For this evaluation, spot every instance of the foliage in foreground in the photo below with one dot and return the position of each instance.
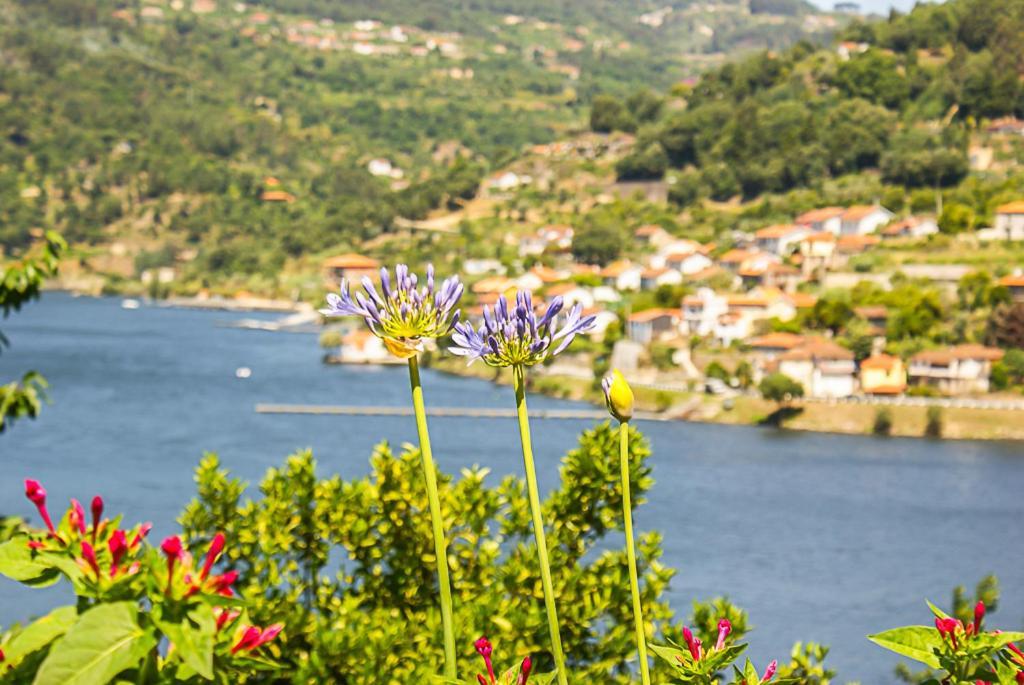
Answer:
(142, 615)
(347, 566)
(20, 283)
(959, 652)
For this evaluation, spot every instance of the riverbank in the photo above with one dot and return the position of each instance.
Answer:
(958, 423)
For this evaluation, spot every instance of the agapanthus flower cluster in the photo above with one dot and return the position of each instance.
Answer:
(514, 335)
(511, 677)
(403, 313)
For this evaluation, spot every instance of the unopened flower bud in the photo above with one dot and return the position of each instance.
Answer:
(36, 494)
(769, 672)
(979, 614)
(216, 547)
(524, 671)
(89, 554)
(618, 396)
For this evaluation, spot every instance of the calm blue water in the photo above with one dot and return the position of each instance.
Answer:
(819, 537)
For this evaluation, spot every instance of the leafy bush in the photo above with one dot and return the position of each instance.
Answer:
(933, 422)
(778, 387)
(142, 614)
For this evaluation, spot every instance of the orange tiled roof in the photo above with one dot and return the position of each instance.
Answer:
(820, 237)
(817, 349)
(781, 340)
(1012, 281)
(802, 300)
(560, 289)
(652, 314)
(648, 230)
(821, 214)
(351, 260)
(277, 196)
(545, 274)
(853, 243)
(872, 312)
(616, 269)
(885, 362)
(1011, 208)
(736, 255)
(776, 231)
(858, 212)
(968, 351)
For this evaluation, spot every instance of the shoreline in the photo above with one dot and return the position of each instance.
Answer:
(959, 424)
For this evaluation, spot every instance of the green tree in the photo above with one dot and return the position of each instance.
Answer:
(933, 422)
(609, 114)
(780, 388)
(956, 218)
(20, 282)
(883, 421)
(598, 242)
(649, 163)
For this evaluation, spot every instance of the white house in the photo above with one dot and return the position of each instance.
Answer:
(782, 239)
(504, 182)
(824, 368)
(384, 167)
(1009, 222)
(362, 347)
(701, 311)
(817, 250)
(653, 235)
(911, 227)
(651, 279)
(730, 327)
(864, 219)
(545, 239)
(481, 267)
(622, 275)
(958, 370)
(652, 324)
(823, 219)
(602, 320)
(538, 277)
(571, 294)
(688, 263)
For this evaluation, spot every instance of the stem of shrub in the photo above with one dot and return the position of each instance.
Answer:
(538, 523)
(634, 583)
(440, 544)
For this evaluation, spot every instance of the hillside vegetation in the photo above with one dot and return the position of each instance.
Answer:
(229, 138)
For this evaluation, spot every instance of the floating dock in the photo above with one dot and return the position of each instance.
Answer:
(467, 412)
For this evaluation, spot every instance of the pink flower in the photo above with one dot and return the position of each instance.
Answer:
(254, 638)
(36, 494)
(724, 628)
(77, 516)
(222, 583)
(118, 547)
(947, 627)
(172, 549)
(1018, 654)
(1019, 677)
(216, 547)
(89, 554)
(141, 535)
(485, 649)
(36, 544)
(524, 671)
(979, 614)
(769, 672)
(693, 644)
(97, 512)
(225, 616)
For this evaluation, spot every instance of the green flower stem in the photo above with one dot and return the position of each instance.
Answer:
(538, 523)
(440, 545)
(634, 583)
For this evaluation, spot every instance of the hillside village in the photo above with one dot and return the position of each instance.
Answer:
(749, 301)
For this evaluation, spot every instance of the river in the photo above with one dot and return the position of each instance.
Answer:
(820, 537)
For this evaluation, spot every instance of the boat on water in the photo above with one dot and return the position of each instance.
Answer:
(243, 372)
(130, 303)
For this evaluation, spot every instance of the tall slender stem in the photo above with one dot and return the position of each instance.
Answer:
(440, 545)
(634, 583)
(538, 523)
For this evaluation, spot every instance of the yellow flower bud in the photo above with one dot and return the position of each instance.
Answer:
(618, 396)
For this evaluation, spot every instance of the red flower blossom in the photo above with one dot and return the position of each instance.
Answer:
(97, 512)
(979, 614)
(769, 672)
(36, 494)
(693, 644)
(76, 517)
(118, 547)
(524, 671)
(485, 649)
(89, 554)
(216, 547)
(254, 638)
(724, 628)
(172, 549)
(140, 536)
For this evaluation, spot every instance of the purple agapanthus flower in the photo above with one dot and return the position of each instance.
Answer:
(516, 335)
(402, 313)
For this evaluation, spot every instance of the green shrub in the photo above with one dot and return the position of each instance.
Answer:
(933, 422)
(883, 421)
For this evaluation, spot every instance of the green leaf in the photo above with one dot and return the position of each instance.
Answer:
(17, 562)
(674, 656)
(543, 678)
(916, 642)
(939, 613)
(193, 639)
(994, 641)
(105, 641)
(39, 634)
